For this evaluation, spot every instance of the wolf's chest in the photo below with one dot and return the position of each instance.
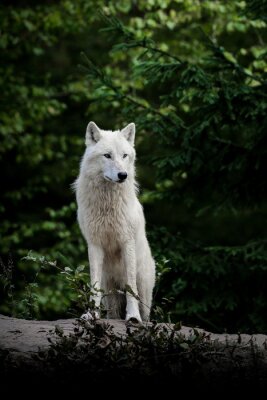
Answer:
(109, 223)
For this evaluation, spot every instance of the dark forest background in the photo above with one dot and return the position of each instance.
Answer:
(192, 75)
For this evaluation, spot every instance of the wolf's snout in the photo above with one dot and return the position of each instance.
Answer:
(122, 176)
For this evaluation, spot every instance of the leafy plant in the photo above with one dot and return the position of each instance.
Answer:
(72, 282)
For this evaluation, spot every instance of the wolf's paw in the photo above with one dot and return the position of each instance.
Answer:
(133, 319)
(90, 315)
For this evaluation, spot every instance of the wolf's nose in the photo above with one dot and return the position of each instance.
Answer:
(122, 176)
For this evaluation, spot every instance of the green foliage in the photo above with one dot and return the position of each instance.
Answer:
(39, 153)
(205, 115)
(72, 293)
(221, 287)
(192, 76)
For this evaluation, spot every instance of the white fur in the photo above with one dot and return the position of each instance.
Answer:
(112, 221)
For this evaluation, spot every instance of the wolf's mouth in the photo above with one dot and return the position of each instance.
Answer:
(108, 179)
(111, 180)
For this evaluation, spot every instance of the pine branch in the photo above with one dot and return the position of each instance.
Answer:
(256, 9)
(220, 55)
(115, 25)
(97, 73)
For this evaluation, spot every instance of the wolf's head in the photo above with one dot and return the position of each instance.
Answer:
(110, 154)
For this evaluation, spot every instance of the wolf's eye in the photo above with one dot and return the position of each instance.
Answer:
(124, 155)
(107, 155)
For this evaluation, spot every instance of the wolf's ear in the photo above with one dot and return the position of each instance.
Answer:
(129, 133)
(93, 134)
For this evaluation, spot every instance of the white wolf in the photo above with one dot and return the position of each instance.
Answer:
(112, 222)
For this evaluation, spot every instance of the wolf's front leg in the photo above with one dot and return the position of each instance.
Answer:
(132, 306)
(96, 257)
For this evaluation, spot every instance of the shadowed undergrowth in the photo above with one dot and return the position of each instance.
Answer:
(155, 353)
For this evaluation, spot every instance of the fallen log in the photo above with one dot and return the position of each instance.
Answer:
(66, 350)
